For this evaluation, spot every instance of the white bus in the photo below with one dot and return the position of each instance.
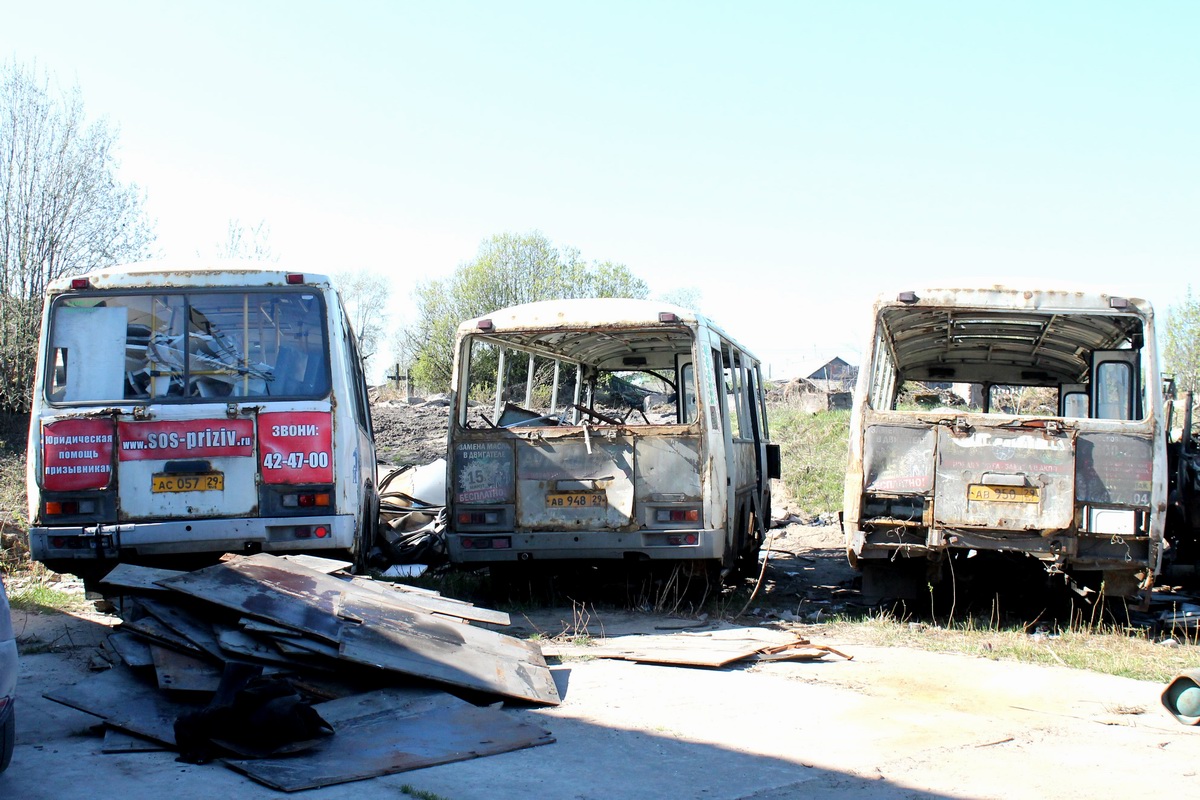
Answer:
(184, 410)
(606, 429)
(998, 420)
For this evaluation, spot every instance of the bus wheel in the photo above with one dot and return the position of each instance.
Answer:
(366, 540)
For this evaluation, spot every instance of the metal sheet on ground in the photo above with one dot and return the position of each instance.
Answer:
(270, 588)
(325, 565)
(421, 644)
(433, 604)
(127, 703)
(393, 741)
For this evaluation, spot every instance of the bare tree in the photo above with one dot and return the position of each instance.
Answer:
(248, 243)
(365, 295)
(63, 211)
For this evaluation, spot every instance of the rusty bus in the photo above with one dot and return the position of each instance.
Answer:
(999, 420)
(606, 429)
(197, 410)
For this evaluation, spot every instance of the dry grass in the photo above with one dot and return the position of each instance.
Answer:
(1108, 649)
(14, 525)
(813, 446)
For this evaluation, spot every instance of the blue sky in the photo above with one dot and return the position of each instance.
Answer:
(789, 160)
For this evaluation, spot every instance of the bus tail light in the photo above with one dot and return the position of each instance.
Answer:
(311, 532)
(486, 542)
(478, 517)
(307, 500)
(69, 507)
(678, 515)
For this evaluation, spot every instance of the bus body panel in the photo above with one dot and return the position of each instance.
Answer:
(234, 424)
(990, 462)
(644, 475)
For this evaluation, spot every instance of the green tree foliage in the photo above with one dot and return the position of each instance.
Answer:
(509, 269)
(62, 212)
(1181, 343)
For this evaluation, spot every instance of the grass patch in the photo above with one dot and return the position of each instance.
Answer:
(420, 794)
(814, 448)
(39, 596)
(1109, 649)
(14, 526)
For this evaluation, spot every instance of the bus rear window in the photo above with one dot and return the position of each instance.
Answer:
(187, 346)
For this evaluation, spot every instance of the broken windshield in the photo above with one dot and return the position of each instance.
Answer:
(188, 346)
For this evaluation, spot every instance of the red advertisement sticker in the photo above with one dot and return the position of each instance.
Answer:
(296, 446)
(186, 438)
(77, 454)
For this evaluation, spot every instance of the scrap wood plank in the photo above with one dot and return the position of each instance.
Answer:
(424, 645)
(152, 629)
(239, 644)
(126, 703)
(138, 578)
(190, 626)
(116, 741)
(182, 672)
(131, 648)
(392, 740)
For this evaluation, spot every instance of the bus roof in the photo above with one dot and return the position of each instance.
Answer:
(199, 272)
(1049, 297)
(590, 312)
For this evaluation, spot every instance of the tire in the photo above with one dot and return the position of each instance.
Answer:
(366, 540)
(8, 738)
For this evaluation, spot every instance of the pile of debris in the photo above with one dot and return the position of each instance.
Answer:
(299, 675)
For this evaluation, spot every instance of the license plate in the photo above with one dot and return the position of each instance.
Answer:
(978, 492)
(206, 482)
(576, 500)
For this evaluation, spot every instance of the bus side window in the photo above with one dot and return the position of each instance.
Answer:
(685, 386)
(1114, 390)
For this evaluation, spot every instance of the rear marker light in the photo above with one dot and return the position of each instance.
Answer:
(478, 518)
(667, 316)
(484, 325)
(486, 543)
(80, 283)
(321, 531)
(295, 278)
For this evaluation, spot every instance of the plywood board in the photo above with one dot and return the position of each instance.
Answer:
(689, 648)
(325, 565)
(186, 624)
(432, 603)
(133, 650)
(182, 672)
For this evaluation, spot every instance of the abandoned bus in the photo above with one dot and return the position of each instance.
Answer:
(997, 420)
(197, 410)
(606, 429)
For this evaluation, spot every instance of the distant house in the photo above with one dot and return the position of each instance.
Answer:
(835, 370)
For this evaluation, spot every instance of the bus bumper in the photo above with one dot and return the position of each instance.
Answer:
(502, 546)
(287, 534)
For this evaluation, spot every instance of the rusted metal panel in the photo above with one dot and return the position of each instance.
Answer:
(191, 627)
(667, 466)
(899, 459)
(432, 603)
(388, 740)
(1114, 469)
(1037, 467)
(272, 589)
(416, 643)
(600, 471)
